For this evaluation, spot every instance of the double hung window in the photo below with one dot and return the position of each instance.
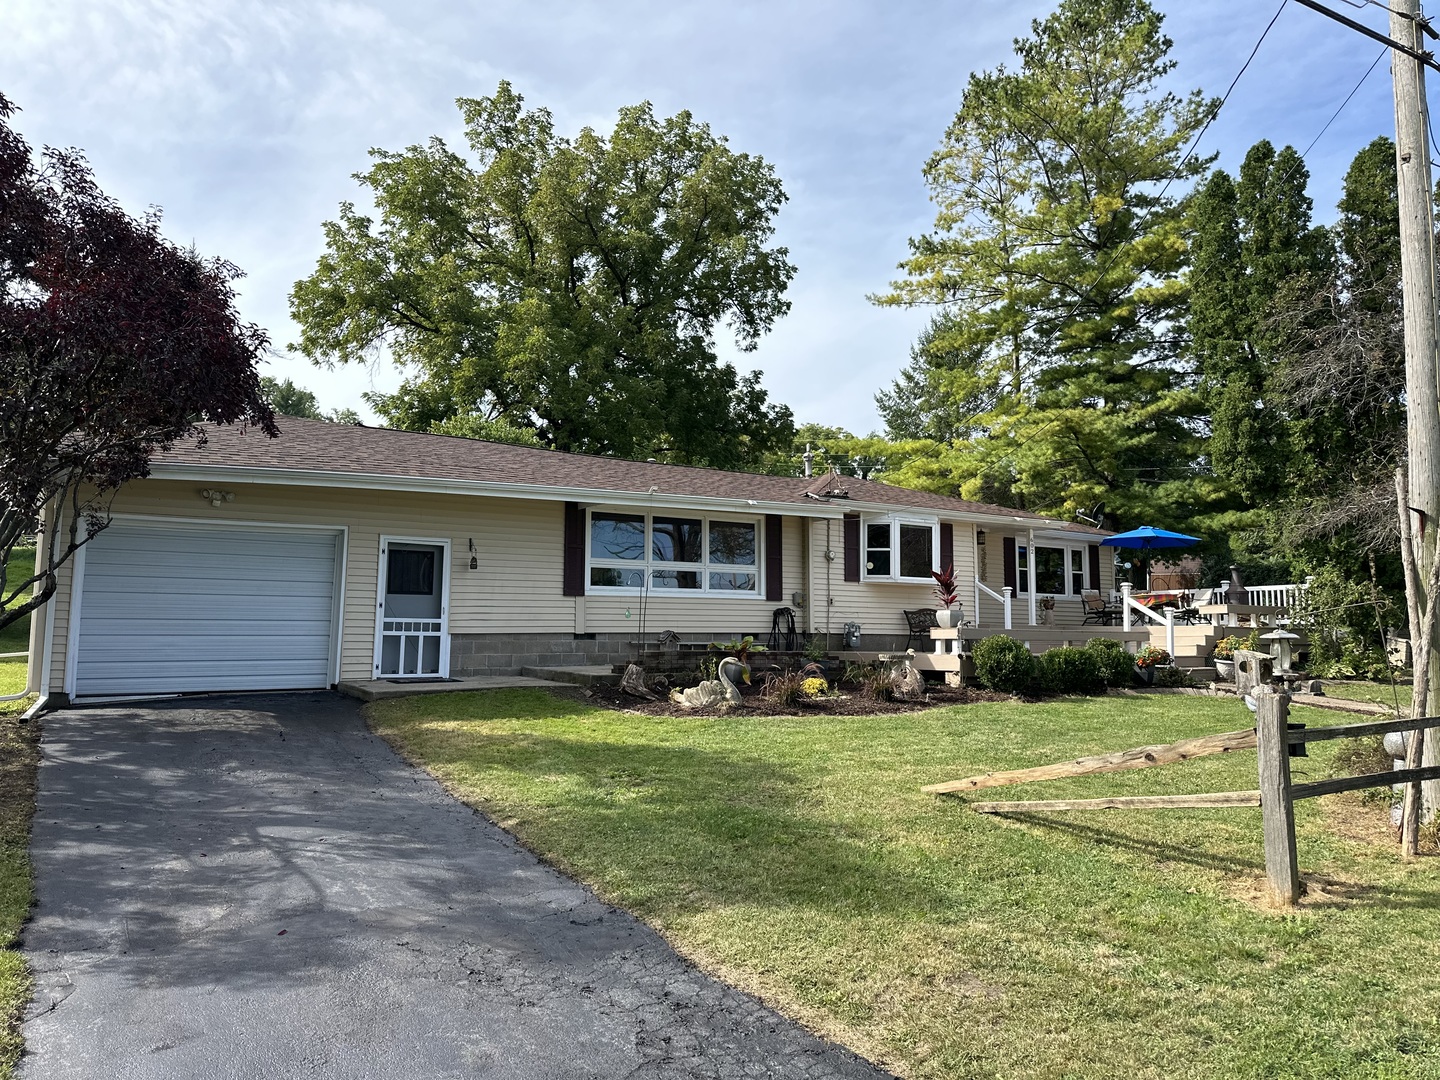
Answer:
(900, 549)
(673, 553)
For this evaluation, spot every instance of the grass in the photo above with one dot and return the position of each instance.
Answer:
(1377, 693)
(16, 636)
(798, 859)
(19, 755)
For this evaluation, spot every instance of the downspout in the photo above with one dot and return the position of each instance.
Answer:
(829, 569)
(807, 574)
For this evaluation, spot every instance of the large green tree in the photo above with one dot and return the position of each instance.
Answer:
(567, 287)
(1056, 259)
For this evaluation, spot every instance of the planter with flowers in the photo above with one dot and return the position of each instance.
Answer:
(947, 614)
(1147, 659)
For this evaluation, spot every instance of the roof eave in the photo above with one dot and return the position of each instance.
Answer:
(435, 486)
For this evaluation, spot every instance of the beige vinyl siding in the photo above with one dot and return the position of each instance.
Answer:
(703, 616)
(517, 587)
(878, 606)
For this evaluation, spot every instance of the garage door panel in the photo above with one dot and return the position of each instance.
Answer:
(189, 609)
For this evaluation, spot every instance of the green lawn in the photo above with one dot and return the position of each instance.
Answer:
(16, 636)
(1374, 692)
(18, 757)
(797, 858)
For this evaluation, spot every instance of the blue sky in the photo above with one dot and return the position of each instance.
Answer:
(246, 121)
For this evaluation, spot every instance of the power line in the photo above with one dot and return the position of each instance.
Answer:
(1174, 175)
(1373, 64)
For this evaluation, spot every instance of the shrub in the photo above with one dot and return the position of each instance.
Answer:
(814, 687)
(1172, 677)
(1116, 665)
(1003, 664)
(1070, 671)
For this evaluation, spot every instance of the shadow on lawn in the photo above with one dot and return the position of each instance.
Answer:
(1325, 892)
(689, 822)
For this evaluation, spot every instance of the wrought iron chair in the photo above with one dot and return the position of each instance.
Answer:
(921, 621)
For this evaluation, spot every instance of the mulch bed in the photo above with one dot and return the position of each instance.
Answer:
(850, 702)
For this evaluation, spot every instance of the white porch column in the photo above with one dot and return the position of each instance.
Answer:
(1125, 605)
(1006, 593)
(1030, 573)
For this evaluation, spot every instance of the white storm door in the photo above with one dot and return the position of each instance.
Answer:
(412, 638)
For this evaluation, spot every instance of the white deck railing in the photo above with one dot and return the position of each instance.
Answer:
(1165, 618)
(981, 587)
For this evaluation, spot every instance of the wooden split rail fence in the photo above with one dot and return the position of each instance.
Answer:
(1272, 737)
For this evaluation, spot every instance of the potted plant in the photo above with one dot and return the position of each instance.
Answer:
(1224, 657)
(1147, 659)
(947, 615)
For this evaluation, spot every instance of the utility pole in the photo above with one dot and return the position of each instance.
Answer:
(1408, 60)
(1422, 336)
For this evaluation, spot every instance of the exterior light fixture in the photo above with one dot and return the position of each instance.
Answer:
(474, 559)
(1280, 648)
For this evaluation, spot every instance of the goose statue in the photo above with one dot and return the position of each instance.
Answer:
(718, 691)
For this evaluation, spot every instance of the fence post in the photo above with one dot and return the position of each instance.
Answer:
(1125, 605)
(1170, 633)
(1276, 807)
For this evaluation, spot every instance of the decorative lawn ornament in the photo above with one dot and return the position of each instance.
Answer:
(718, 691)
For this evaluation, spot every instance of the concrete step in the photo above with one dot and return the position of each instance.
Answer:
(575, 674)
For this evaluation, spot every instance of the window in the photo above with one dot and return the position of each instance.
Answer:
(1049, 569)
(900, 549)
(409, 572)
(672, 554)
(1059, 571)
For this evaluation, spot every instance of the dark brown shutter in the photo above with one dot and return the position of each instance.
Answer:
(1012, 574)
(574, 574)
(1094, 566)
(774, 560)
(947, 545)
(852, 547)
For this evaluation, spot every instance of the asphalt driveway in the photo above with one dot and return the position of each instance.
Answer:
(256, 886)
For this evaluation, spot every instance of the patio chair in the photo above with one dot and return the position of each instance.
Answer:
(1097, 611)
(921, 621)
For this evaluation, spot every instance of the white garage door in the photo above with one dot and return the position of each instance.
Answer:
(187, 608)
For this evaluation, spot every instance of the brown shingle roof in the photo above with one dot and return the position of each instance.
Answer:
(313, 445)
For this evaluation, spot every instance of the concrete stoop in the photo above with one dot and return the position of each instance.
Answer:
(586, 675)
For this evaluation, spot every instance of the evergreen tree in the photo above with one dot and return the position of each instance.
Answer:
(1056, 257)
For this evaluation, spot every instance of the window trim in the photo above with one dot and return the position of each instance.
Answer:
(896, 521)
(649, 564)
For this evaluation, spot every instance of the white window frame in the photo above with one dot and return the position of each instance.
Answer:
(649, 564)
(1022, 576)
(895, 521)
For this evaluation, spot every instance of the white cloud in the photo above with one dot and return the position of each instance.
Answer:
(245, 121)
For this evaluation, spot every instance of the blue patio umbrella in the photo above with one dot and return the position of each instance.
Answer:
(1147, 537)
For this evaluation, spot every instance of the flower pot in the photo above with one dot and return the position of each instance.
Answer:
(947, 618)
(1224, 668)
(1145, 674)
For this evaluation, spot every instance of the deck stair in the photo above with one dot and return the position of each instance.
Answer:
(1193, 646)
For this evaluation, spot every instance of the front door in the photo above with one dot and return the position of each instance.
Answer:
(413, 634)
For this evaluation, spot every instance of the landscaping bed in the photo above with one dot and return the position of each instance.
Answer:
(847, 701)
(796, 857)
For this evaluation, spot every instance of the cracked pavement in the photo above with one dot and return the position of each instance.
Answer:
(256, 886)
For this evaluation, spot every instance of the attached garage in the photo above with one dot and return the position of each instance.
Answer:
(180, 608)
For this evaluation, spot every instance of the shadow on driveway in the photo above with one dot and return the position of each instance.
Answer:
(256, 886)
